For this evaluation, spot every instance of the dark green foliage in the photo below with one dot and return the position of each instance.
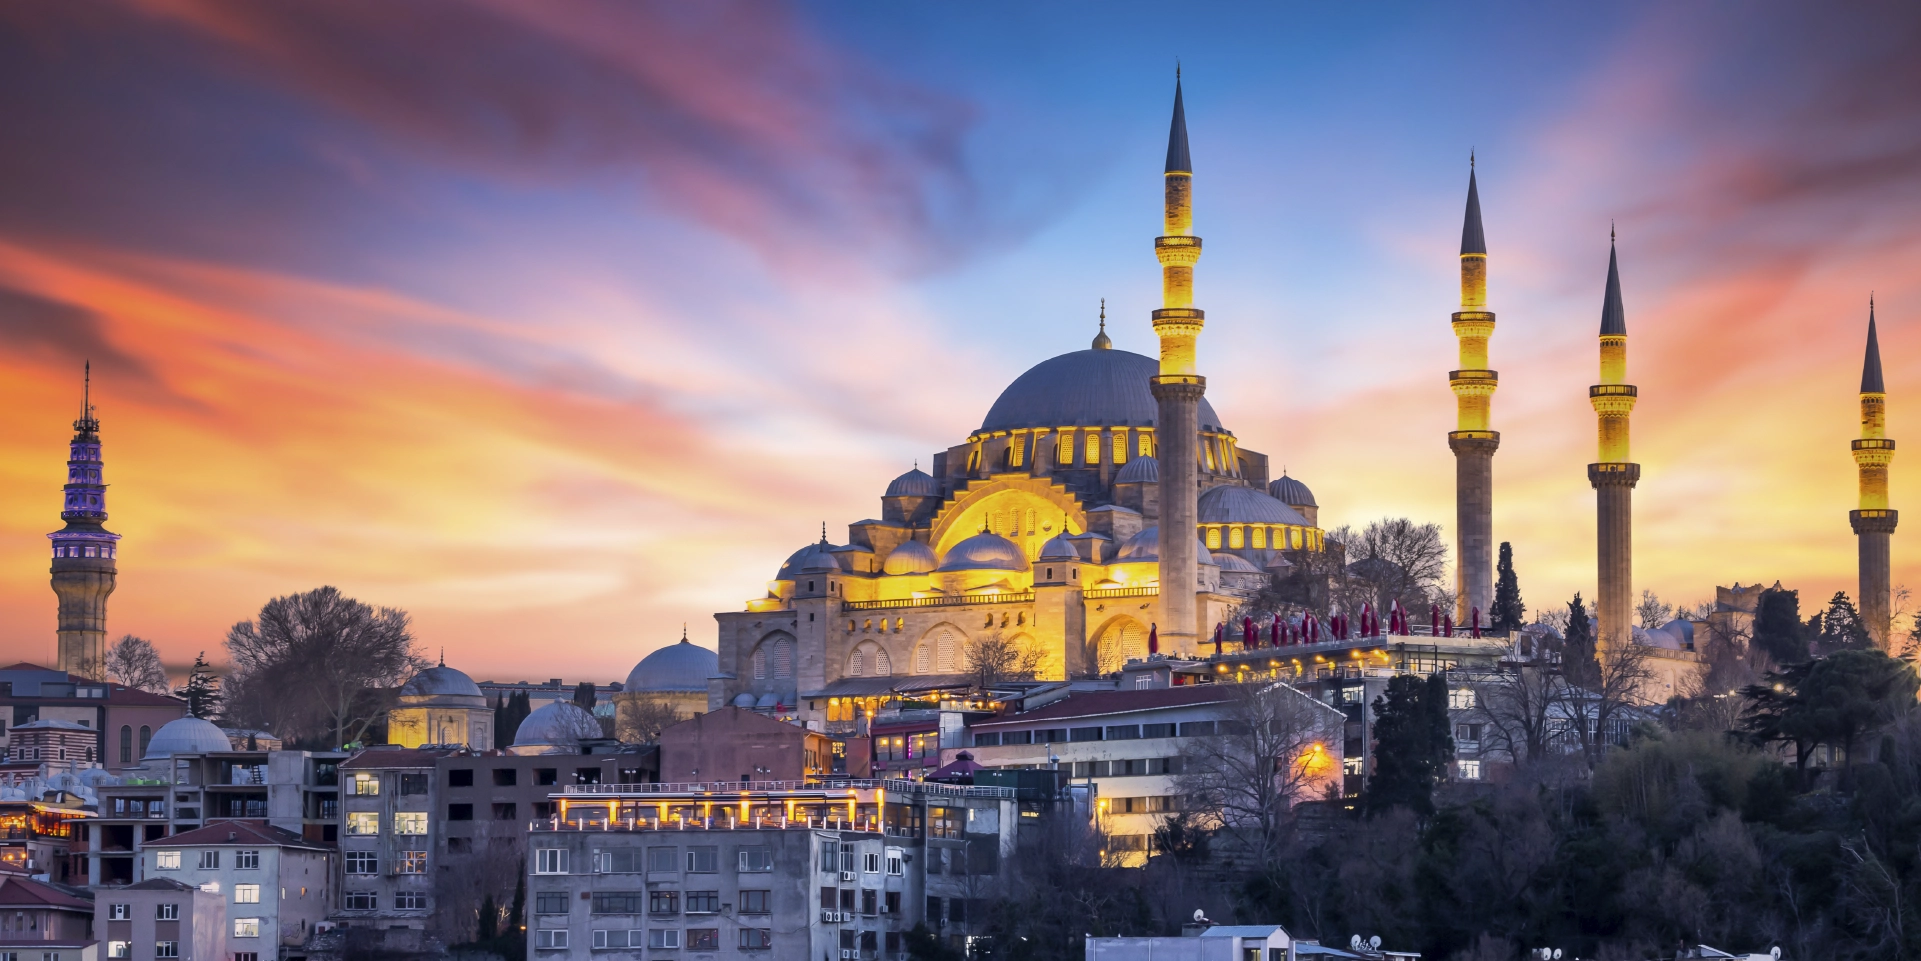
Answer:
(1832, 700)
(584, 694)
(1841, 626)
(502, 934)
(1777, 626)
(507, 718)
(1412, 744)
(1509, 613)
(1580, 634)
(202, 691)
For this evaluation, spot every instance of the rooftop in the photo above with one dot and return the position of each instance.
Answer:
(1103, 703)
(242, 832)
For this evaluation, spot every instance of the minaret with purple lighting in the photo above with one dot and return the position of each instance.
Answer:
(84, 551)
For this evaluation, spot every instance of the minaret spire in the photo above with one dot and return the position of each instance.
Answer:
(1101, 340)
(84, 551)
(1613, 474)
(1874, 521)
(1473, 439)
(1178, 389)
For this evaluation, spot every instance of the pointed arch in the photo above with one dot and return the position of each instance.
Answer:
(1121, 640)
(939, 649)
(773, 657)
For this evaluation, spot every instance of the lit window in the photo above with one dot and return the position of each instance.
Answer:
(1234, 541)
(413, 862)
(410, 823)
(363, 823)
(1460, 698)
(1093, 447)
(246, 894)
(366, 785)
(119, 949)
(1213, 538)
(166, 860)
(246, 927)
(1470, 770)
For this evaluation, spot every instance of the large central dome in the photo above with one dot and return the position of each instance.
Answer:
(1087, 388)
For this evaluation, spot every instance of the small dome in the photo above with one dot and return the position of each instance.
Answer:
(767, 702)
(744, 700)
(1146, 546)
(560, 725)
(186, 735)
(441, 680)
(1681, 628)
(1140, 470)
(1058, 549)
(985, 551)
(1234, 564)
(814, 557)
(674, 669)
(914, 483)
(1233, 504)
(911, 557)
(1291, 492)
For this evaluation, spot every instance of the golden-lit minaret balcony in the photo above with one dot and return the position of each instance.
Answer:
(1613, 398)
(1873, 451)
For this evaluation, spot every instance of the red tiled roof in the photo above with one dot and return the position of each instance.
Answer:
(21, 892)
(1098, 703)
(239, 832)
(133, 696)
(24, 666)
(380, 758)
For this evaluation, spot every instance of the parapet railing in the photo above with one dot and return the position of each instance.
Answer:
(894, 785)
(1010, 597)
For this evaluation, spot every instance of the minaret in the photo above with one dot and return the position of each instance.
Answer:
(1614, 476)
(1178, 389)
(1472, 439)
(1874, 522)
(83, 551)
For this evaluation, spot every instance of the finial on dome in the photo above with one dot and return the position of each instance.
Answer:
(683, 632)
(823, 532)
(443, 655)
(1101, 341)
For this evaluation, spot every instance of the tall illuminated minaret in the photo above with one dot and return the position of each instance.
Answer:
(84, 551)
(1613, 475)
(1473, 439)
(1178, 389)
(1874, 522)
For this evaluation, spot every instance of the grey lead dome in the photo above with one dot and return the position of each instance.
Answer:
(676, 668)
(441, 680)
(1085, 388)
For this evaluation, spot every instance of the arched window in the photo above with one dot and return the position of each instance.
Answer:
(1120, 447)
(1260, 538)
(760, 663)
(783, 658)
(1213, 538)
(126, 744)
(1234, 541)
(923, 659)
(1066, 457)
(1093, 447)
(854, 665)
(945, 652)
(882, 665)
(146, 737)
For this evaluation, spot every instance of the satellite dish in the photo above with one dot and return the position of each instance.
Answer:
(1557, 954)
(1354, 941)
(1200, 915)
(1374, 942)
(1775, 952)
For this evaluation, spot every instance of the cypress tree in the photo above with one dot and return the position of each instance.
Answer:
(1509, 613)
(202, 692)
(1412, 744)
(1777, 626)
(489, 919)
(584, 695)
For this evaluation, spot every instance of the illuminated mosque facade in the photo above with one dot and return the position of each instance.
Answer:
(1102, 509)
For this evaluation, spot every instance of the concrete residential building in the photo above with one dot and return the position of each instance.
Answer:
(276, 885)
(1240, 942)
(122, 718)
(163, 918)
(42, 837)
(783, 871)
(733, 744)
(387, 850)
(46, 921)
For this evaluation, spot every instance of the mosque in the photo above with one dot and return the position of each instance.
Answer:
(1103, 510)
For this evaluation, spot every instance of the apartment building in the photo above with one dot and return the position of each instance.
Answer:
(162, 918)
(275, 884)
(387, 821)
(44, 921)
(121, 719)
(482, 796)
(786, 871)
(736, 744)
(40, 837)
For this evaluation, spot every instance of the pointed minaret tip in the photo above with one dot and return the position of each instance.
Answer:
(1473, 240)
(1614, 321)
(1178, 160)
(1101, 340)
(1871, 382)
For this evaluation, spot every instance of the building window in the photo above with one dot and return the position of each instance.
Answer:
(756, 859)
(1470, 770)
(663, 902)
(662, 860)
(703, 939)
(663, 938)
(146, 736)
(210, 860)
(119, 949)
(703, 860)
(246, 860)
(166, 912)
(246, 956)
(363, 862)
(166, 949)
(166, 860)
(410, 823)
(411, 901)
(413, 862)
(363, 823)
(1460, 698)
(754, 902)
(460, 812)
(1065, 457)
(505, 776)
(894, 862)
(413, 784)
(550, 861)
(550, 939)
(126, 757)
(870, 862)
(246, 927)
(703, 902)
(1093, 447)
(617, 902)
(460, 777)
(119, 912)
(366, 785)
(617, 938)
(358, 900)
(246, 894)
(756, 939)
(506, 811)
(1213, 538)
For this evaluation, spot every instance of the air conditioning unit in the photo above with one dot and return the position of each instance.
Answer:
(827, 917)
(840, 918)
(846, 953)
(847, 875)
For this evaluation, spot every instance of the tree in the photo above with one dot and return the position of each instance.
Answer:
(1778, 629)
(202, 690)
(1398, 560)
(585, 694)
(1579, 635)
(639, 720)
(519, 705)
(1602, 687)
(1413, 745)
(1520, 710)
(1831, 700)
(1652, 611)
(321, 665)
(1509, 613)
(134, 662)
(990, 659)
(1841, 627)
(1269, 752)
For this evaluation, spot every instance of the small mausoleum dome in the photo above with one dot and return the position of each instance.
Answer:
(985, 551)
(813, 557)
(556, 728)
(1086, 388)
(1146, 546)
(1058, 549)
(438, 681)
(1233, 504)
(744, 700)
(1231, 564)
(1682, 629)
(914, 483)
(911, 557)
(186, 735)
(1289, 491)
(1140, 470)
(676, 668)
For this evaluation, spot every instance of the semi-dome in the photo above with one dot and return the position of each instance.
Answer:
(1140, 470)
(911, 557)
(1058, 549)
(1086, 388)
(676, 668)
(1231, 563)
(1146, 546)
(1234, 504)
(560, 725)
(985, 551)
(914, 483)
(1289, 491)
(186, 735)
(441, 680)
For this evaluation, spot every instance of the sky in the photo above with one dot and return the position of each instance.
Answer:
(561, 325)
